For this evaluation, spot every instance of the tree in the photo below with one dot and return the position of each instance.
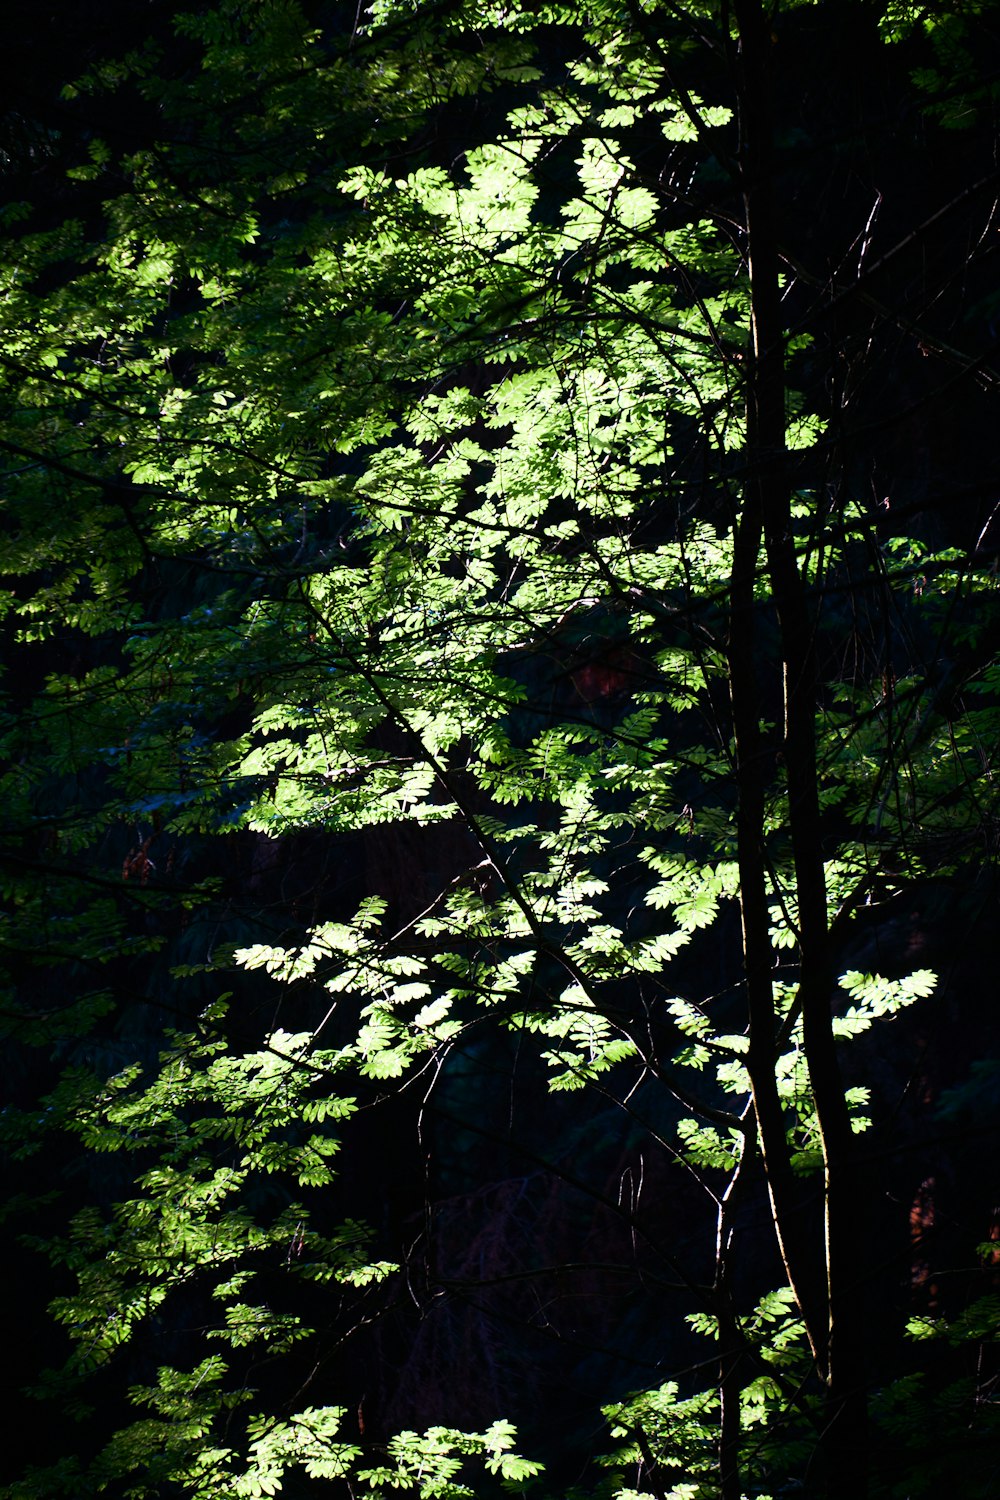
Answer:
(436, 444)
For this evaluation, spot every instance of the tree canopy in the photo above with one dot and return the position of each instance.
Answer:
(499, 547)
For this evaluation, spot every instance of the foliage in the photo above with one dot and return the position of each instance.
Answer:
(374, 463)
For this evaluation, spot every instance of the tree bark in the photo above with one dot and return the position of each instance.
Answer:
(834, 1316)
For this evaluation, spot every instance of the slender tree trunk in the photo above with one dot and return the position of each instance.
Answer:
(730, 1392)
(839, 1346)
(731, 1343)
(754, 759)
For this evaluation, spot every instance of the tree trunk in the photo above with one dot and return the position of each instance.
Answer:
(839, 1345)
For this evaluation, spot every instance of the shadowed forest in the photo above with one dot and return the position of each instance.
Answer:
(499, 699)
